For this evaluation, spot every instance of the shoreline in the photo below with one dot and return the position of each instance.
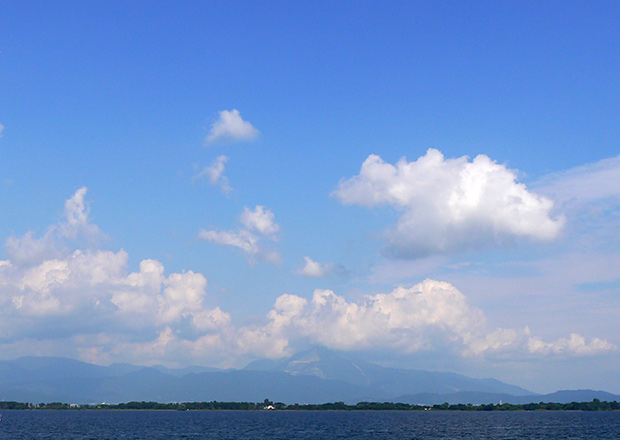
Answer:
(594, 405)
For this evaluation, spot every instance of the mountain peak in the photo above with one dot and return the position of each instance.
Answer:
(328, 364)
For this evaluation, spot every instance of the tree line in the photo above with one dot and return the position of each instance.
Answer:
(594, 405)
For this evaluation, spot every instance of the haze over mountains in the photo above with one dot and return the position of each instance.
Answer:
(315, 376)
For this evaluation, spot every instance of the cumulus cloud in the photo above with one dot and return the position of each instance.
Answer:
(87, 282)
(147, 316)
(29, 248)
(431, 315)
(215, 174)
(47, 287)
(86, 303)
(314, 269)
(230, 126)
(573, 345)
(259, 220)
(258, 224)
(88, 299)
(407, 319)
(428, 316)
(77, 217)
(449, 205)
(76, 226)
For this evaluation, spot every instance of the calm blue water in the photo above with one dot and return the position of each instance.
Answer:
(275, 425)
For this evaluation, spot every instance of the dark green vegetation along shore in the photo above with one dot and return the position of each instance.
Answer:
(595, 405)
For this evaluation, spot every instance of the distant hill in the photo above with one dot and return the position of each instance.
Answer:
(315, 376)
(388, 382)
(479, 398)
(54, 379)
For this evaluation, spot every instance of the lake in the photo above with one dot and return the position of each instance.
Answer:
(281, 425)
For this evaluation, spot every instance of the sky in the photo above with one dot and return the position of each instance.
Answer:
(425, 185)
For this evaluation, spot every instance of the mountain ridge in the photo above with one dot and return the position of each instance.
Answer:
(327, 364)
(314, 376)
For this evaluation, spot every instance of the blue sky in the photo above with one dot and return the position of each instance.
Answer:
(422, 184)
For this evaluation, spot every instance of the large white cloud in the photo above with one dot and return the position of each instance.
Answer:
(230, 126)
(449, 205)
(258, 223)
(428, 316)
(87, 282)
(45, 281)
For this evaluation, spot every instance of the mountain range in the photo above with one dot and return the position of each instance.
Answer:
(315, 376)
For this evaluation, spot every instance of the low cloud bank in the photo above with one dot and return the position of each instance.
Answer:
(84, 303)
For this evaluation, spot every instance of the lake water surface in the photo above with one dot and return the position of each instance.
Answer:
(280, 425)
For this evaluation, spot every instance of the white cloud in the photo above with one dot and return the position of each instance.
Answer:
(231, 126)
(76, 227)
(87, 304)
(428, 316)
(584, 184)
(1, 129)
(574, 345)
(77, 217)
(215, 173)
(259, 220)
(30, 249)
(244, 240)
(143, 316)
(498, 340)
(450, 205)
(314, 269)
(258, 224)
(92, 292)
